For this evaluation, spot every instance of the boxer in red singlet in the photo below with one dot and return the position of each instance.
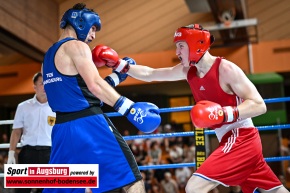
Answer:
(225, 101)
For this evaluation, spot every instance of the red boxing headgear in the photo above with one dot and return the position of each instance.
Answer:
(197, 39)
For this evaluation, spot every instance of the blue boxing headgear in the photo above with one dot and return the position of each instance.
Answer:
(81, 21)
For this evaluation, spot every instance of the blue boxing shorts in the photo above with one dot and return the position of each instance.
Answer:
(94, 140)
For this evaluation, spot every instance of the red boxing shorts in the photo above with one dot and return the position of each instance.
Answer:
(239, 161)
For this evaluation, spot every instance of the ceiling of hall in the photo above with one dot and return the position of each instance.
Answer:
(148, 26)
(131, 26)
(140, 26)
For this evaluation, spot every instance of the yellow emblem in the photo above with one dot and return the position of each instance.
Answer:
(51, 120)
(133, 111)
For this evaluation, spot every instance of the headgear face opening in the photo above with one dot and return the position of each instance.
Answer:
(81, 21)
(197, 39)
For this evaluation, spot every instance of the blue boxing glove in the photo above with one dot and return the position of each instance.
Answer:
(116, 78)
(145, 116)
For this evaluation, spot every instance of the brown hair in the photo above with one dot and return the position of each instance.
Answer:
(36, 76)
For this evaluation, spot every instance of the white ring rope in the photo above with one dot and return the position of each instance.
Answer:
(6, 122)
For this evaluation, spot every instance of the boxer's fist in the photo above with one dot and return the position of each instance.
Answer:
(99, 62)
(145, 116)
(104, 55)
(206, 114)
(116, 78)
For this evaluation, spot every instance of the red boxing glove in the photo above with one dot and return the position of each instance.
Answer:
(99, 62)
(104, 55)
(206, 114)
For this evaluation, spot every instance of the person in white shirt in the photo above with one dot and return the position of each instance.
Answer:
(175, 154)
(169, 185)
(32, 126)
(182, 175)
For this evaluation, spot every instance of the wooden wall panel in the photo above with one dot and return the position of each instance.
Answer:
(32, 21)
(19, 77)
(273, 18)
(273, 56)
(237, 55)
(141, 26)
(152, 26)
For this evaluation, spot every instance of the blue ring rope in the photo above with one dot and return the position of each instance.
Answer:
(184, 134)
(188, 108)
(191, 133)
(181, 165)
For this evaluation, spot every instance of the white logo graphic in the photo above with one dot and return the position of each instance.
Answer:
(51, 176)
(107, 53)
(214, 113)
(139, 116)
(74, 15)
(177, 34)
(231, 141)
(201, 88)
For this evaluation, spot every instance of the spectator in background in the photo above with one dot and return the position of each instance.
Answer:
(159, 140)
(283, 180)
(167, 128)
(141, 155)
(175, 154)
(156, 189)
(5, 139)
(147, 181)
(139, 141)
(1, 171)
(235, 189)
(168, 184)
(189, 153)
(159, 173)
(155, 153)
(182, 175)
(127, 133)
(32, 125)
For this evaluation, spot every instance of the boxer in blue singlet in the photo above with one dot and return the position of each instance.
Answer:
(75, 91)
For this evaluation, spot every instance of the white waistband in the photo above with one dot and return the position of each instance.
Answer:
(243, 123)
